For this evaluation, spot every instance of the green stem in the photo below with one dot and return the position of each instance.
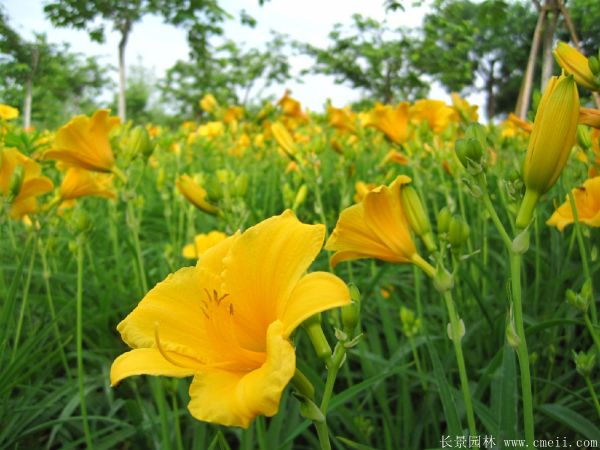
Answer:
(332, 369)
(261, 434)
(134, 227)
(487, 202)
(590, 387)
(583, 253)
(57, 335)
(522, 353)
(456, 332)
(590, 327)
(174, 404)
(323, 433)
(79, 342)
(25, 298)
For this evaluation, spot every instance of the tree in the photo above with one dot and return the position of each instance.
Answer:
(466, 41)
(231, 74)
(200, 17)
(371, 57)
(57, 81)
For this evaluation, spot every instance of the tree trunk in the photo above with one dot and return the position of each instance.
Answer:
(525, 92)
(489, 89)
(548, 59)
(122, 44)
(35, 59)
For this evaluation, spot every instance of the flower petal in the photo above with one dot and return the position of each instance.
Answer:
(236, 398)
(262, 268)
(314, 293)
(145, 361)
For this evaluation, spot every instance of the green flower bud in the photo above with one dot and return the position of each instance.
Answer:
(312, 326)
(240, 185)
(300, 197)
(140, 142)
(584, 362)
(458, 232)
(584, 139)
(594, 65)
(478, 132)
(417, 216)
(351, 313)
(411, 325)
(469, 153)
(443, 220)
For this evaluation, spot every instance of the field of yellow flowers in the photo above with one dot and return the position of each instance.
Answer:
(396, 278)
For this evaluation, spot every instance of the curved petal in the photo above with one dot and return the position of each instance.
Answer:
(314, 293)
(385, 216)
(236, 398)
(262, 268)
(176, 307)
(353, 239)
(145, 361)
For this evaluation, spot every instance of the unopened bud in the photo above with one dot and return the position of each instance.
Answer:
(313, 328)
(351, 313)
(469, 152)
(594, 64)
(458, 232)
(584, 139)
(16, 181)
(240, 185)
(584, 362)
(411, 325)
(300, 197)
(417, 216)
(443, 220)
(140, 141)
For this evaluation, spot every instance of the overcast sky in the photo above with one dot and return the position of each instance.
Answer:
(159, 46)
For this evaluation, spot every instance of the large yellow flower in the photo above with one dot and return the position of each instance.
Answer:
(375, 228)
(21, 182)
(587, 203)
(342, 119)
(227, 321)
(393, 122)
(83, 142)
(195, 194)
(8, 112)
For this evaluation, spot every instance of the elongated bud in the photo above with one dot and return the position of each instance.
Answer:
(300, 197)
(469, 153)
(594, 65)
(240, 185)
(140, 141)
(312, 326)
(575, 63)
(552, 138)
(584, 139)
(411, 325)
(417, 216)
(458, 232)
(16, 181)
(284, 139)
(443, 220)
(351, 313)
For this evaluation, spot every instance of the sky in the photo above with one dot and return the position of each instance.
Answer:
(159, 46)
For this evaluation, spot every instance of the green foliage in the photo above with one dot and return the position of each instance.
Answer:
(465, 41)
(371, 57)
(230, 73)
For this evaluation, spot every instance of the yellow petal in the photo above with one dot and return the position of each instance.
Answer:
(175, 307)
(262, 268)
(314, 293)
(145, 361)
(236, 398)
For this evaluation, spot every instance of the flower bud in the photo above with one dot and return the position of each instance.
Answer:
(469, 153)
(458, 232)
(312, 326)
(575, 63)
(284, 139)
(240, 185)
(584, 362)
(411, 325)
(300, 197)
(140, 142)
(553, 136)
(594, 65)
(417, 216)
(584, 139)
(443, 220)
(351, 313)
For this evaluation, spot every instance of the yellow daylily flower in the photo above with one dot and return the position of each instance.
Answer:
(21, 182)
(291, 107)
(8, 112)
(463, 109)
(81, 183)
(435, 112)
(83, 142)
(393, 122)
(553, 136)
(202, 242)
(227, 321)
(587, 204)
(342, 119)
(361, 189)
(211, 130)
(514, 125)
(195, 194)
(589, 117)
(209, 103)
(376, 227)
(575, 63)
